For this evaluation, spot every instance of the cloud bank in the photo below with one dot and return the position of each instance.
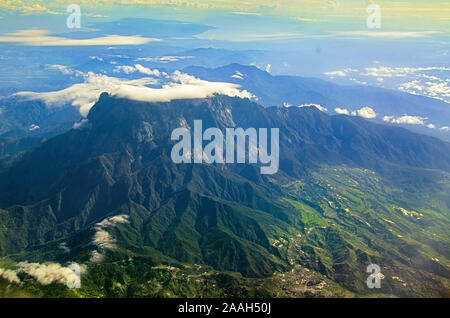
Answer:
(179, 86)
(40, 37)
(46, 273)
(405, 119)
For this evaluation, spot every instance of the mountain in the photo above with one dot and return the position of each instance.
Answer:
(294, 90)
(348, 193)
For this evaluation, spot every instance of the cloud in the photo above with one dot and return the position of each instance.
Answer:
(301, 19)
(164, 59)
(84, 95)
(81, 124)
(98, 58)
(113, 221)
(238, 75)
(336, 74)
(40, 37)
(438, 89)
(365, 112)
(319, 107)
(177, 86)
(192, 88)
(61, 68)
(127, 69)
(386, 71)
(147, 71)
(96, 257)
(342, 111)
(103, 240)
(48, 273)
(340, 73)
(405, 119)
(9, 275)
(246, 13)
(387, 34)
(25, 8)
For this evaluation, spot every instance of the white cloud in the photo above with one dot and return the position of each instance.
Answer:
(238, 75)
(104, 240)
(438, 90)
(39, 37)
(342, 111)
(386, 71)
(301, 19)
(127, 69)
(365, 112)
(98, 58)
(405, 119)
(113, 221)
(246, 13)
(84, 95)
(178, 86)
(336, 74)
(319, 107)
(184, 87)
(48, 273)
(445, 128)
(411, 87)
(387, 34)
(164, 59)
(61, 68)
(81, 124)
(9, 275)
(147, 71)
(96, 257)
(33, 127)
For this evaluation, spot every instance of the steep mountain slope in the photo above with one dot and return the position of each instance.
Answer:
(348, 193)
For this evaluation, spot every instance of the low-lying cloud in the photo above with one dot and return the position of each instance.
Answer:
(84, 95)
(46, 273)
(9, 275)
(103, 240)
(178, 86)
(405, 119)
(40, 37)
(365, 112)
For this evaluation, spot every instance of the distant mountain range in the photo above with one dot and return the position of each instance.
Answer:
(349, 193)
(295, 91)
